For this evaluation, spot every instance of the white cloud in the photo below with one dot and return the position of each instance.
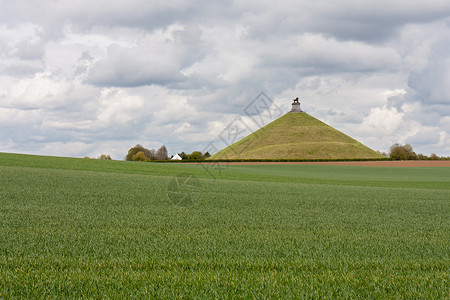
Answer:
(42, 91)
(385, 120)
(116, 107)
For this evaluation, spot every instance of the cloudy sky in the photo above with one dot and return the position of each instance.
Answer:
(90, 77)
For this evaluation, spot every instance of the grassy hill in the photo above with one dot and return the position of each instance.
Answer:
(297, 136)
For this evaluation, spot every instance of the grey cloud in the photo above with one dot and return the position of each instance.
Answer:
(141, 70)
(315, 53)
(380, 20)
(147, 15)
(21, 69)
(155, 60)
(428, 137)
(83, 63)
(125, 67)
(30, 50)
(430, 85)
(371, 21)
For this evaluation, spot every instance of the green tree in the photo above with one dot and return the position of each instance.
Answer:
(183, 155)
(150, 154)
(402, 152)
(196, 155)
(140, 156)
(421, 156)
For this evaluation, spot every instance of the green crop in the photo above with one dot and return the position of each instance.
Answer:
(78, 228)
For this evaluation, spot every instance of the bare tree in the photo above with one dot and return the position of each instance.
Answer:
(162, 154)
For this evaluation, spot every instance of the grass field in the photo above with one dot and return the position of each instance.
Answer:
(88, 228)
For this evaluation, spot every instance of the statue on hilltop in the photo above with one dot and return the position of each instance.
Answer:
(296, 106)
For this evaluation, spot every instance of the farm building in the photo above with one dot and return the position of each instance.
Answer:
(176, 157)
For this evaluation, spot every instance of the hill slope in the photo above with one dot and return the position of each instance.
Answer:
(297, 136)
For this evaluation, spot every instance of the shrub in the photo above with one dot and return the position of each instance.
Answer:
(104, 157)
(140, 156)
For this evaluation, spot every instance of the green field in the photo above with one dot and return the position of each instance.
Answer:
(83, 228)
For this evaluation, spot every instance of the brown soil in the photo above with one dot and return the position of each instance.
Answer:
(403, 163)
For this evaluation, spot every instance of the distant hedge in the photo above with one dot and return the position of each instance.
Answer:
(282, 160)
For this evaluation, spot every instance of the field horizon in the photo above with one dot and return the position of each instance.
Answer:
(87, 228)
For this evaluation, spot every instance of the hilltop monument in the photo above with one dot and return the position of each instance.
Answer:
(296, 106)
(296, 135)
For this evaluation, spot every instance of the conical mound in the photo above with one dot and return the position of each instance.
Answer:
(297, 136)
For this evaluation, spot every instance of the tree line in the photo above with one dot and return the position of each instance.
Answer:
(140, 153)
(406, 152)
(101, 157)
(196, 155)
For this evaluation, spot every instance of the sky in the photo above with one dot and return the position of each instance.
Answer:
(84, 78)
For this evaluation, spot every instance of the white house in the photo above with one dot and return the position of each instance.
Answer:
(176, 157)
